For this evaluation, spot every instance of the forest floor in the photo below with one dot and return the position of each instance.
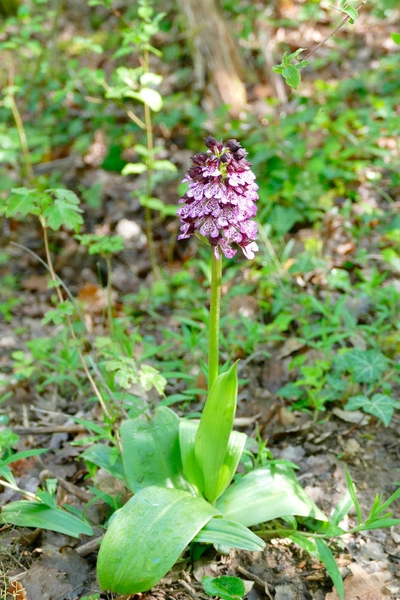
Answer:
(43, 565)
(51, 566)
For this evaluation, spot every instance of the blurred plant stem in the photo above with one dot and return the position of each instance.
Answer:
(150, 163)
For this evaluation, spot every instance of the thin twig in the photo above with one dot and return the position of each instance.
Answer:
(50, 429)
(332, 33)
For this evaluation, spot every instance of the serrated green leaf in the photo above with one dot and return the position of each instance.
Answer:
(222, 532)
(147, 536)
(327, 558)
(267, 493)
(35, 514)
(214, 431)
(150, 451)
(23, 202)
(64, 211)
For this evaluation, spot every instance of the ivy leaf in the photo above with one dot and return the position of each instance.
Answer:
(64, 210)
(380, 406)
(367, 366)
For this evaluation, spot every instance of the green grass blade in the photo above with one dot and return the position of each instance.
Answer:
(326, 556)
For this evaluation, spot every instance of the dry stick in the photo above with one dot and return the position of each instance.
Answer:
(50, 429)
(313, 50)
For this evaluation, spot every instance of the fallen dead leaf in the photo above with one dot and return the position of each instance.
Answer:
(16, 591)
(360, 585)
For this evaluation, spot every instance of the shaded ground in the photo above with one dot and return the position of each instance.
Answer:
(49, 566)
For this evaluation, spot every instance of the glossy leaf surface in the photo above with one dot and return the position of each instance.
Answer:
(150, 451)
(147, 536)
(228, 533)
(35, 514)
(215, 428)
(267, 493)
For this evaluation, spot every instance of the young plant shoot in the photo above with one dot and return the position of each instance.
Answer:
(181, 470)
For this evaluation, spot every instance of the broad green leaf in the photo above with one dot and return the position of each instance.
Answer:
(194, 474)
(225, 587)
(105, 458)
(352, 12)
(326, 556)
(150, 451)
(292, 76)
(234, 451)
(134, 169)
(187, 436)
(215, 428)
(147, 536)
(151, 98)
(267, 493)
(395, 37)
(35, 514)
(222, 532)
(164, 165)
(150, 79)
(159, 205)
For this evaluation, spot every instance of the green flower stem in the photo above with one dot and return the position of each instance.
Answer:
(215, 310)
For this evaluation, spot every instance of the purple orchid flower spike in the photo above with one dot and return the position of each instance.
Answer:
(220, 201)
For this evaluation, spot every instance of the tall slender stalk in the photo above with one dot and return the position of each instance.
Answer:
(215, 311)
(149, 173)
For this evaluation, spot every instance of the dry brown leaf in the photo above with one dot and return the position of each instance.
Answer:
(360, 585)
(16, 591)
